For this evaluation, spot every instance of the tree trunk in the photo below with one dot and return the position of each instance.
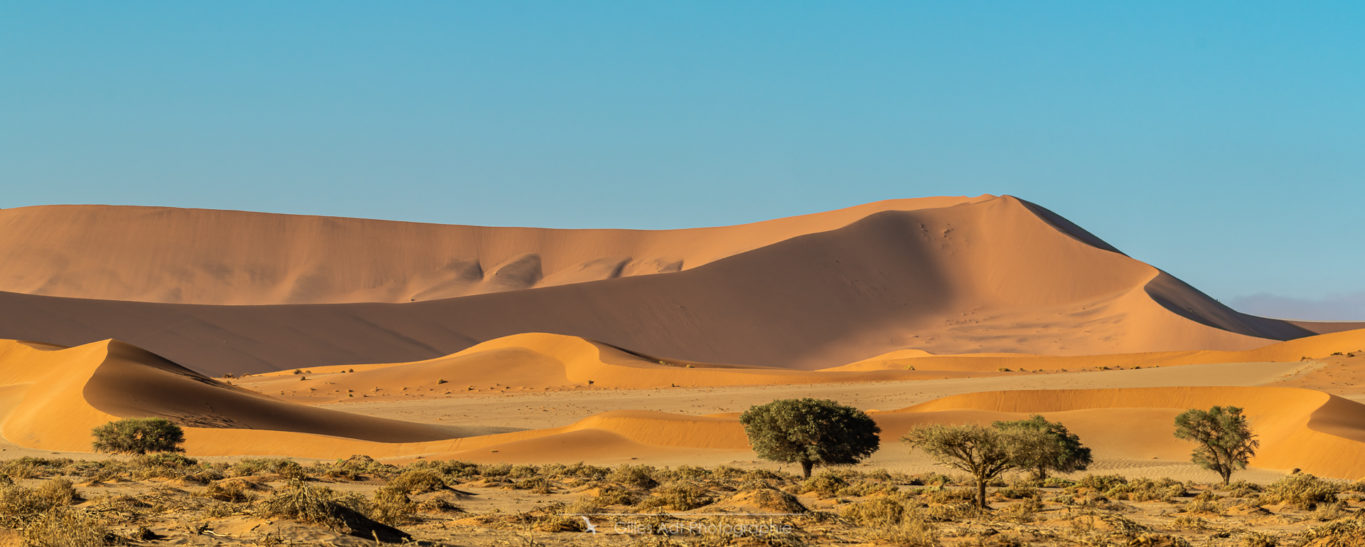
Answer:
(1040, 474)
(806, 466)
(981, 493)
(1227, 475)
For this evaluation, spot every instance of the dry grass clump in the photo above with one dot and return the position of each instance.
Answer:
(231, 491)
(1206, 502)
(19, 505)
(418, 481)
(877, 512)
(678, 496)
(777, 501)
(1148, 490)
(29, 467)
(391, 505)
(825, 485)
(1302, 491)
(356, 468)
(637, 476)
(1022, 512)
(63, 527)
(304, 503)
(283, 468)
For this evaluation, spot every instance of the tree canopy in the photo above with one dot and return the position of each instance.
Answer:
(810, 432)
(1041, 446)
(1226, 442)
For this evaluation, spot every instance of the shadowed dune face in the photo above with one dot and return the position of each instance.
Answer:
(984, 275)
(53, 397)
(196, 256)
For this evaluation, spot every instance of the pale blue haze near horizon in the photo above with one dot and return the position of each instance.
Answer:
(1221, 141)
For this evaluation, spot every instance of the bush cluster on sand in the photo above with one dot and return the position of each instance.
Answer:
(426, 499)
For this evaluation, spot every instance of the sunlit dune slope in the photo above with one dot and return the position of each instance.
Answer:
(534, 361)
(1297, 428)
(984, 275)
(52, 397)
(1312, 347)
(201, 256)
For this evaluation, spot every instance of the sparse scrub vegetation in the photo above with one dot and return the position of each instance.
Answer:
(121, 500)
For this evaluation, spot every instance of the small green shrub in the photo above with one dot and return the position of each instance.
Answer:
(138, 436)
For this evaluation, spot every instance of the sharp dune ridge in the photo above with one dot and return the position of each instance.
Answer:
(203, 256)
(947, 275)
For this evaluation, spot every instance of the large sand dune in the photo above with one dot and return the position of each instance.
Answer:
(980, 275)
(1297, 428)
(52, 397)
(1309, 347)
(199, 256)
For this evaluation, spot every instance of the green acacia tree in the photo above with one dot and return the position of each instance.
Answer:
(810, 432)
(139, 436)
(1226, 442)
(983, 452)
(1041, 446)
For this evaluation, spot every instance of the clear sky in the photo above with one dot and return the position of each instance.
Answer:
(1221, 141)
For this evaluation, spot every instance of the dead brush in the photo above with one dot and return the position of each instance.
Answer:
(1301, 491)
(303, 503)
(679, 496)
(283, 468)
(443, 502)
(912, 532)
(355, 468)
(951, 512)
(418, 481)
(20, 505)
(824, 485)
(875, 512)
(777, 501)
(1022, 512)
(1147, 490)
(391, 505)
(1205, 503)
(65, 526)
(230, 490)
(320, 505)
(635, 476)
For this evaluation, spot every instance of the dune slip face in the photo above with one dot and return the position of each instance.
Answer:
(52, 397)
(945, 275)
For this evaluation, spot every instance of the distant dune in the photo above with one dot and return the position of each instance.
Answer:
(945, 275)
(200, 256)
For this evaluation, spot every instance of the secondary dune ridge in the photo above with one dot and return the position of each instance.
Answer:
(537, 361)
(52, 397)
(989, 274)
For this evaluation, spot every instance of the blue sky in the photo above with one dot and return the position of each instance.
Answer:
(1221, 141)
